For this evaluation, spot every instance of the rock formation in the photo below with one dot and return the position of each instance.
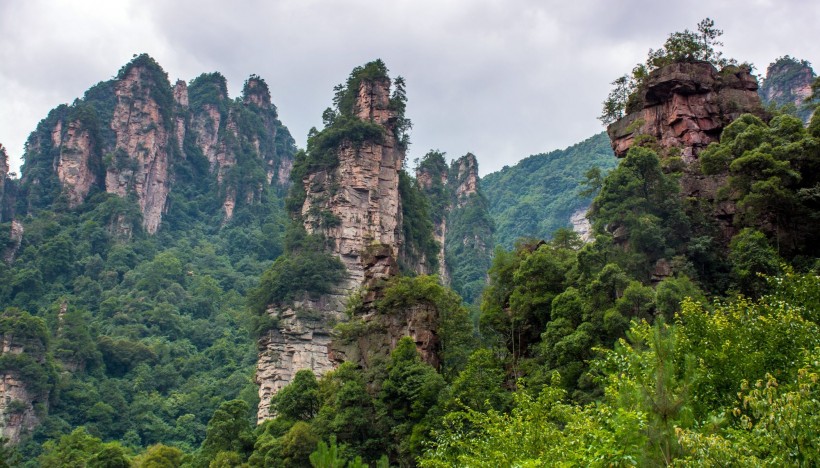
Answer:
(461, 219)
(788, 82)
(127, 136)
(361, 197)
(141, 148)
(76, 150)
(581, 225)
(355, 205)
(22, 400)
(685, 107)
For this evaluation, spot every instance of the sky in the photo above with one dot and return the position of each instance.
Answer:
(502, 79)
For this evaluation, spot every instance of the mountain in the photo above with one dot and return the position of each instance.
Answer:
(541, 193)
(137, 137)
(144, 215)
(788, 83)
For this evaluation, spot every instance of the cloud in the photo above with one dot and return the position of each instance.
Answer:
(501, 79)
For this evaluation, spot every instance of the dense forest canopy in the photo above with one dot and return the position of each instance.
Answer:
(668, 339)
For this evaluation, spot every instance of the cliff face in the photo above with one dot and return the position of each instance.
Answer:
(127, 136)
(788, 82)
(141, 148)
(361, 196)
(686, 106)
(76, 150)
(355, 204)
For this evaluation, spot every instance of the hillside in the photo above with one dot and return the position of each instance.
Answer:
(539, 194)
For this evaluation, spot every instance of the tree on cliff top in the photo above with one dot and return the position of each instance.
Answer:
(686, 46)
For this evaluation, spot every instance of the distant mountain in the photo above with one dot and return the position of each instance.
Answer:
(788, 83)
(540, 193)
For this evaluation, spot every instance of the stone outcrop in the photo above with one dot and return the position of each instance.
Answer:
(181, 101)
(581, 225)
(76, 151)
(16, 240)
(686, 106)
(141, 150)
(466, 172)
(361, 197)
(21, 403)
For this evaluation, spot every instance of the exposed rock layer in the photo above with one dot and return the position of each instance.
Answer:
(686, 106)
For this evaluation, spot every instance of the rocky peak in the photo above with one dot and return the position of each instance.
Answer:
(181, 93)
(256, 93)
(354, 203)
(466, 170)
(788, 82)
(361, 195)
(685, 106)
(141, 152)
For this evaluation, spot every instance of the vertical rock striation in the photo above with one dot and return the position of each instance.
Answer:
(141, 150)
(355, 205)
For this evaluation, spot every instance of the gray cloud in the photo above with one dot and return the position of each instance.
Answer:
(502, 79)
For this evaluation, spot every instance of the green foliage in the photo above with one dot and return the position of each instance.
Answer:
(299, 400)
(229, 430)
(452, 327)
(305, 270)
(417, 226)
(773, 177)
(638, 198)
(539, 194)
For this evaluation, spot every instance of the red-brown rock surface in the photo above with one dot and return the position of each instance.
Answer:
(686, 106)
(142, 136)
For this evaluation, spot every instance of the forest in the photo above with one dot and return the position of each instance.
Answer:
(685, 333)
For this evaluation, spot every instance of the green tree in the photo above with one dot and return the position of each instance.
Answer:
(299, 400)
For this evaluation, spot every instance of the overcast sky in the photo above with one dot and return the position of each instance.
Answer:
(501, 79)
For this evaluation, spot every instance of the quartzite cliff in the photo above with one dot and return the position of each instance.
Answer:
(129, 137)
(356, 206)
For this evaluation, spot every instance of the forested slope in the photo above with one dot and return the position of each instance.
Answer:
(539, 194)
